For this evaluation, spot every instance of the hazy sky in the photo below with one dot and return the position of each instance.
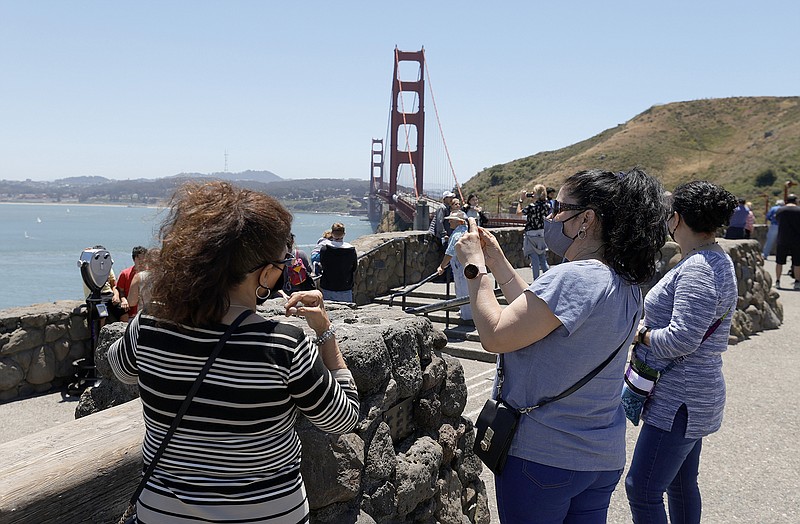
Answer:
(149, 89)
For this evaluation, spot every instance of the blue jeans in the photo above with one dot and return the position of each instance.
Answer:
(338, 296)
(665, 461)
(532, 493)
(772, 236)
(538, 261)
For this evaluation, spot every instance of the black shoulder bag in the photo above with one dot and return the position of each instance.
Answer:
(498, 421)
(130, 514)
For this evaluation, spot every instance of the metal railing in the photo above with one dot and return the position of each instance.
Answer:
(447, 305)
(413, 287)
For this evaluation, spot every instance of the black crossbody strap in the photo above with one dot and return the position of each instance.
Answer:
(185, 405)
(582, 382)
(579, 384)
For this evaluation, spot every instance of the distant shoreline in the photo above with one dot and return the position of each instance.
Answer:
(104, 204)
(150, 206)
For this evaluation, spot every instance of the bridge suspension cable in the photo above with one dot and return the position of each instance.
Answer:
(439, 123)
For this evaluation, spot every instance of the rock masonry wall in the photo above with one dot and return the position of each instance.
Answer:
(391, 260)
(410, 456)
(39, 343)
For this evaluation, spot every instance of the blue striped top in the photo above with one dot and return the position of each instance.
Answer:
(680, 308)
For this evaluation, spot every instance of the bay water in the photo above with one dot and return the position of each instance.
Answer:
(40, 244)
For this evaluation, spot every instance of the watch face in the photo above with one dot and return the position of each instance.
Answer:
(470, 271)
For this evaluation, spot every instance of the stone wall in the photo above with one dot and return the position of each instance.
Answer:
(38, 345)
(410, 457)
(391, 260)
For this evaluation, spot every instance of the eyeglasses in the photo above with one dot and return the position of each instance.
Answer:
(289, 258)
(558, 207)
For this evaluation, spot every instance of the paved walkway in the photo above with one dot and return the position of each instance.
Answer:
(750, 469)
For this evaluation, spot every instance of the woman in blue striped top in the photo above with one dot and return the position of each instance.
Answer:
(235, 456)
(682, 327)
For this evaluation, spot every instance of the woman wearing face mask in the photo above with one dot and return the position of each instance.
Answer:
(567, 456)
(235, 455)
(687, 320)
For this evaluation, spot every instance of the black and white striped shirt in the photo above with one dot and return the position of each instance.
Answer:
(235, 456)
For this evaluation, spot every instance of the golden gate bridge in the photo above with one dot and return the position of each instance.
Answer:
(409, 189)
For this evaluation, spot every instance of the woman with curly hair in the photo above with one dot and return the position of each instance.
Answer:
(235, 456)
(567, 456)
(687, 320)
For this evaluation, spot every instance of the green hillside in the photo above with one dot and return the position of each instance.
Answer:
(751, 146)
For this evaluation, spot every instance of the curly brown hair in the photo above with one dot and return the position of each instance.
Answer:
(215, 234)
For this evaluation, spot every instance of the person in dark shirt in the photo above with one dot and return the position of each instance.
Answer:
(788, 240)
(339, 261)
(533, 244)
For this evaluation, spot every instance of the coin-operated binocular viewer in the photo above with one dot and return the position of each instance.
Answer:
(95, 266)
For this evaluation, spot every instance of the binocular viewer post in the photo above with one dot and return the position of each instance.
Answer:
(95, 267)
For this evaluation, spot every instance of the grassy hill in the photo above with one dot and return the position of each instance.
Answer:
(751, 146)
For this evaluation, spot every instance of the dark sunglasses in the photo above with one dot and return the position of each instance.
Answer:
(289, 258)
(558, 207)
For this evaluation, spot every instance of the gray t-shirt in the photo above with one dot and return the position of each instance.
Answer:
(586, 430)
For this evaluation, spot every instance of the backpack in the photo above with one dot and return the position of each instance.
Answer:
(298, 273)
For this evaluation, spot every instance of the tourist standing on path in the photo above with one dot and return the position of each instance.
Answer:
(788, 240)
(126, 278)
(750, 221)
(458, 223)
(686, 324)
(738, 221)
(772, 231)
(338, 261)
(473, 210)
(567, 457)
(235, 456)
(533, 244)
(440, 228)
(551, 198)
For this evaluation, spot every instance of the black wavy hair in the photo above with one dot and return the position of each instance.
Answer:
(704, 206)
(632, 208)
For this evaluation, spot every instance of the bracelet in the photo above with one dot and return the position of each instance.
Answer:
(325, 336)
(507, 281)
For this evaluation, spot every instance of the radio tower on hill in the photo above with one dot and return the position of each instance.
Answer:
(226, 161)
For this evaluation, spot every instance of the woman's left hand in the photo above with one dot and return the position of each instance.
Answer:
(468, 248)
(309, 305)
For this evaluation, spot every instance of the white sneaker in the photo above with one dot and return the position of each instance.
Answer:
(778, 284)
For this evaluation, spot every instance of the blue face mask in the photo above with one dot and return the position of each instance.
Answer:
(554, 236)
